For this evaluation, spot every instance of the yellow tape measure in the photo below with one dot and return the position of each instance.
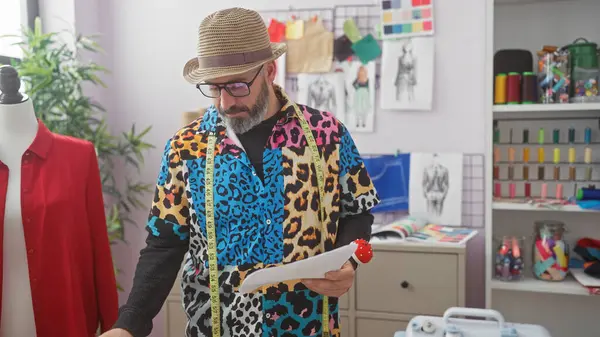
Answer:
(213, 268)
(215, 305)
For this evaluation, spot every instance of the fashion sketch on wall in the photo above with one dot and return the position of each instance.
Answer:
(407, 73)
(360, 95)
(323, 92)
(436, 181)
(281, 72)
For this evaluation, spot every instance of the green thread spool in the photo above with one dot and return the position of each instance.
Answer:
(571, 135)
(526, 136)
(541, 136)
(556, 136)
(496, 136)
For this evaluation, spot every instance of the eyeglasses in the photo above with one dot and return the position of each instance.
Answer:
(235, 89)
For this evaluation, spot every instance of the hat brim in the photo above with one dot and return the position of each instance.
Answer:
(193, 74)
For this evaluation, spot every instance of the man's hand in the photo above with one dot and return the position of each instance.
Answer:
(335, 284)
(116, 333)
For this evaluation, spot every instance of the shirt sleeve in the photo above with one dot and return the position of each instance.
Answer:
(166, 244)
(107, 297)
(358, 194)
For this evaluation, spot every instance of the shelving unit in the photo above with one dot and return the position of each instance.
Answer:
(529, 25)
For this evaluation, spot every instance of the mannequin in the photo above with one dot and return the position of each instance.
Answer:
(57, 275)
(18, 128)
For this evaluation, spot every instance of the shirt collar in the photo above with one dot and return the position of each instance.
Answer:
(287, 105)
(42, 142)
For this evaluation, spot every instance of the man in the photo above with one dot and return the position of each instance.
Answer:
(264, 208)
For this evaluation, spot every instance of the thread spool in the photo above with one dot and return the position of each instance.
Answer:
(559, 192)
(541, 136)
(512, 190)
(513, 88)
(541, 156)
(525, 154)
(556, 173)
(572, 173)
(588, 194)
(588, 173)
(588, 136)
(571, 135)
(496, 155)
(556, 136)
(587, 155)
(525, 136)
(540, 172)
(544, 191)
(498, 190)
(511, 155)
(529, 90)
(496, 136)
(525, 172)
(572, 155)
(556, 156)
(511, 172)
(500, 89)
(496, 172)
(527, 190)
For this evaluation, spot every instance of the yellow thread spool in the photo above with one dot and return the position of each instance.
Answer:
(587, 155)
(541, 155)
(556, 155)
(526, 155)
(572, 155)
(500, 89)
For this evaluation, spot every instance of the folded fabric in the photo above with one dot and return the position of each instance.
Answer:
(352, 31)
(367, 49)
(589, 250)
(342, 48)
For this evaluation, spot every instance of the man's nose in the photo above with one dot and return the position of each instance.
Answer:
(227, 101)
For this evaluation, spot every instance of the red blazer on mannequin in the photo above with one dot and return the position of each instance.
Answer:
(73, 286)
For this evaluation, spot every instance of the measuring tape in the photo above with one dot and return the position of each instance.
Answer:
(215, 305)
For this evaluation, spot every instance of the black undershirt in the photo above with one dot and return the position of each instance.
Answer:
(161, 259)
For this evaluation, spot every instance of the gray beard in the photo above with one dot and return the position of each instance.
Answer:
(255, 116)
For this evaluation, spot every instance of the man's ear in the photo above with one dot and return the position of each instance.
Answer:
(271, 71)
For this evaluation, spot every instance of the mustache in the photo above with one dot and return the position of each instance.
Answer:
(236, 109)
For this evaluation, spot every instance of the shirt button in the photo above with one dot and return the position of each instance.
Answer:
(268, 221)
(253, 173)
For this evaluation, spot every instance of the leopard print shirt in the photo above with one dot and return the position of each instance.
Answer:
(259, 224)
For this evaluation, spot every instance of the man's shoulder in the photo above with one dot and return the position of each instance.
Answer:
(320, 119)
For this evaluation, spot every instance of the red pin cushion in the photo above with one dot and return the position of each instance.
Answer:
(363, 253)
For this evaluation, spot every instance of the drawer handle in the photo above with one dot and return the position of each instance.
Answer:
(404, 284)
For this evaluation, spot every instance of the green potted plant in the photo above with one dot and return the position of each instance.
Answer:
(53, 74)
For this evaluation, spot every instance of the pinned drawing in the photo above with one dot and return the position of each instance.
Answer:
(281, 72)
(436, 187)
(360, 95)
(407, 74)
(323, 92)
(390, 175)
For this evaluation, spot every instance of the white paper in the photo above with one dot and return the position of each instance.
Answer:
(407, 68)
(323, 92)
(435, 191)
(313, 267)
(360, 95)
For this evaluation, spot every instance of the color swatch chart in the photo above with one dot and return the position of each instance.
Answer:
(406, 18)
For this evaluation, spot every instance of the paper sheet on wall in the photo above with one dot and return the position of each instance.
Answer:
(281, 71)
(435, 187)
(313, 267)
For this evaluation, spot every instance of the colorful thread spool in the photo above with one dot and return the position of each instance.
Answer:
(525, 172)
(511, 172)
(544, 191)
(571, 135)
(509, 261)
(496, 172)
(529, 90)
(498, 190)
(572, 155)
(525, 136)
(541, 173)
(541, 136)
(525, 154)
(587, 138)
(512, 190)
(527, 190)
(500, 89)
(588, 194)
(556, 136)
(559, 192)
(513, 88)
(587, 155)
(541, 156)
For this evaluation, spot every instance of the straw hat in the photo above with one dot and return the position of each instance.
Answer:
(231, 41)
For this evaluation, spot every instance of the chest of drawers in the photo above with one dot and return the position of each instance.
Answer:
(402, 281)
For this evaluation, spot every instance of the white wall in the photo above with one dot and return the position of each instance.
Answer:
(148, 42)
(530, 27)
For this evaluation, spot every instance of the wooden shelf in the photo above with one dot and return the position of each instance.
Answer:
(546, 107)
(569, 286)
